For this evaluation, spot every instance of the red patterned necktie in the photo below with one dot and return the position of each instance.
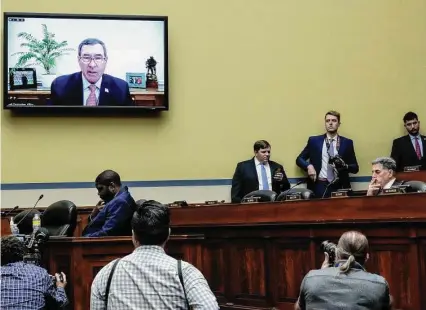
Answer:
(417, 144)
(91, 100)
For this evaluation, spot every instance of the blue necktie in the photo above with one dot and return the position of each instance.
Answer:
(265, 184)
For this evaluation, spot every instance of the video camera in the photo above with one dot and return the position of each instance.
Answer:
(32, 243)
(337, 162)
(329, 248)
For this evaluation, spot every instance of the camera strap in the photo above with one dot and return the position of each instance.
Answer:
(109, 283)
(179, 266)
(328, 145)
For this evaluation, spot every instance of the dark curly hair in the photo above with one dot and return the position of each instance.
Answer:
(12, 250)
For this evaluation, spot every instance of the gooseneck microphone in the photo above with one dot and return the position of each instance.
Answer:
(328, 185)
(29, 211)
(10, 211)
(298, 183)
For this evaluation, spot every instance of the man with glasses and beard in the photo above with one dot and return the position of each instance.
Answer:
(410, 150)
(112, 215)
(328, 159)
(91, 86)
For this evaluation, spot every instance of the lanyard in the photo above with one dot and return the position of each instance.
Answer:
(327, 144)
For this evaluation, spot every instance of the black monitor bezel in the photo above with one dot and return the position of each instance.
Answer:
(84, 110)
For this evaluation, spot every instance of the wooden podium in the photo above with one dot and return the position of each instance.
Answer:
(254, 256)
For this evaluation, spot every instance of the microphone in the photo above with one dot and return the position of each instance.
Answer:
(329, 184)
(298, 183)
(10, 211)
(39, 198)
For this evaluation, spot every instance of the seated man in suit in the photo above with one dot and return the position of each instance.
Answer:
(410, 150)
(112, 215)
(90, 87)
(384, 169)
(258, 173)
(328, 159)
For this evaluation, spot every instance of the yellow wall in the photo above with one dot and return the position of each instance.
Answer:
(240, 70)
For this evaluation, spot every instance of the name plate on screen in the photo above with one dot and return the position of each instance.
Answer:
(251, 199)
(293, 197)
(411, 168)
(340, 194)
(212, 202)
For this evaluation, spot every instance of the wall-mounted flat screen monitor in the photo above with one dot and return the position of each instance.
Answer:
(85, 62)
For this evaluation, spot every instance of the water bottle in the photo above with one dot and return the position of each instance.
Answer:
(13, 227)
(36, 222)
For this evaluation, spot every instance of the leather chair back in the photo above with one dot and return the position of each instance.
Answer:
(60, 218)
(415, 186)
(264, 195)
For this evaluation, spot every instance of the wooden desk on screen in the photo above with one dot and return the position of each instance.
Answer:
(141, 97)
(255, 256)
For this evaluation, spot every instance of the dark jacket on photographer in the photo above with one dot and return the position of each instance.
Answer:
(315, 154)
(357, 289)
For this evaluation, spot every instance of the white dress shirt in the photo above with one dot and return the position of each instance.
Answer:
(413, 141)
(86, 90)
(325, 156)
(259, 173)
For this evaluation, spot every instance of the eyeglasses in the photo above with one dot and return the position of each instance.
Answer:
(97, 59)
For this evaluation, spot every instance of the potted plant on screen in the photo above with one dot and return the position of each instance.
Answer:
(43, 53)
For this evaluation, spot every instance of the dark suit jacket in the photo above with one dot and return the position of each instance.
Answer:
(396, 183)
(67, 90)
(245, 179)
(312, 154)
(405, 155)
(114, 219)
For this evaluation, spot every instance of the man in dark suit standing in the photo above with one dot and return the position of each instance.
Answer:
(410, 150)
(258, 173)
(90, 87)
(383, 176)
(328, 159)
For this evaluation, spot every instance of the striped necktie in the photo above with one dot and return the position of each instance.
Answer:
(417, 144)
(91, 100)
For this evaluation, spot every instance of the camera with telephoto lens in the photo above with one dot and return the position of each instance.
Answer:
(33, 243)
(337, 162)
(329, 248)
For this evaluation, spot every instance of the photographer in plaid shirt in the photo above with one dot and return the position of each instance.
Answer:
(148, 277)
(26, 286)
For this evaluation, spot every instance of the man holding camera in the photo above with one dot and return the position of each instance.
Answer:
(346, 284)
(27, 286)
(328, 159)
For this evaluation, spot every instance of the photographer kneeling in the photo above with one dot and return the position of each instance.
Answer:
(346, 284)
(26, 286)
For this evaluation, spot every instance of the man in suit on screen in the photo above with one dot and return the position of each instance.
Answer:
(91, 86)
(410, 150)
(328, 159)
(258, 173)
